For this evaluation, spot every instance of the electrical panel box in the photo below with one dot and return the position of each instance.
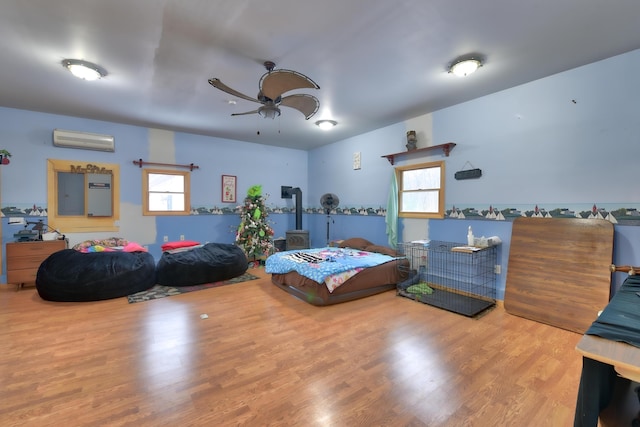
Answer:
(100, 195)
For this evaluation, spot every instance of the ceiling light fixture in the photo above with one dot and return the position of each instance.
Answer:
(464, 66)
(326, 124)
(269, 111)
(84, 70)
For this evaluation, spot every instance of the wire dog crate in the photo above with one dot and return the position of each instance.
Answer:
(450, 276)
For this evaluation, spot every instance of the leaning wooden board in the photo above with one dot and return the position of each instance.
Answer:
(559, 270)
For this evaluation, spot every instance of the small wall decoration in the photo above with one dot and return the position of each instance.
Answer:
(468, 173)
(412, 140)
(4, 157)
(357, 160)
(228, 188)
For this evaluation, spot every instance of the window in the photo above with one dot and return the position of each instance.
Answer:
(165, 192)
(83, 197)
(421, 190)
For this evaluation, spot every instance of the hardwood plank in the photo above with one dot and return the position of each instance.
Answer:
(264, 357)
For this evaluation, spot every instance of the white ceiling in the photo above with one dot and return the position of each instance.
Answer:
(377, 62)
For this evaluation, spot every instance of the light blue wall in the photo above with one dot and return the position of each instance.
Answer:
(569, 140)
(28, 137)
(534, 144)
(331, 168)
(331, 171)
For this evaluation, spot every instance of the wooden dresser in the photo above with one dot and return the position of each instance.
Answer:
(24, 258)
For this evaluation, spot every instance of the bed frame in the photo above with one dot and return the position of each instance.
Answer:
(369, 281)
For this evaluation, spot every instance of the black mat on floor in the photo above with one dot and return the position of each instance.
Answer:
(457, 303)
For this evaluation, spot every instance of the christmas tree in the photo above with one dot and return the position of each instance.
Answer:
(254, 232)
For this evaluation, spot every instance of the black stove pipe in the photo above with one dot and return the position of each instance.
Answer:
(286, 192)
(298, 194)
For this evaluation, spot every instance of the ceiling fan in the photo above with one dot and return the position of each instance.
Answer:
(273, 84)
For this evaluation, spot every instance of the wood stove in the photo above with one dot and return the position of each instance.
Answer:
(298, 238)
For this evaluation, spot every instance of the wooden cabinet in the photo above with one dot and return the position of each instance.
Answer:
(24, 258)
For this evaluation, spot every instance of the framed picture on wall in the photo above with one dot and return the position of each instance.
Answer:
(228, 188)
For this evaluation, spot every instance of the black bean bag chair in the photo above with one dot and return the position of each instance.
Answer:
(69, 275)
(210, 263)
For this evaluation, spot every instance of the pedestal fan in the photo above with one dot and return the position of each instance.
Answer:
(329, 201)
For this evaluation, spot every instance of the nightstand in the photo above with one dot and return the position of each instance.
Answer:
(24, 259)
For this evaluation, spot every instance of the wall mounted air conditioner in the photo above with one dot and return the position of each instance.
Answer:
(83, 140)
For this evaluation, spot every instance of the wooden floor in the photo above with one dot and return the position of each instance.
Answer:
(264, 358)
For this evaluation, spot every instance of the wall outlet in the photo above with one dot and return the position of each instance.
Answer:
(497, 269)
(182, 237)
(165, 238)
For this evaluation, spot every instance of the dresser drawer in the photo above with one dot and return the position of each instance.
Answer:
(22, 276)
(40, 249)
(27, 261)
(24, 259)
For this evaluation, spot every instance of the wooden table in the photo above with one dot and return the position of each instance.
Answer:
(624, 357)
(559, 270)
(607, 359)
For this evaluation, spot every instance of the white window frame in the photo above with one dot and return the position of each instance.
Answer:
(145, 192)
(437, 213)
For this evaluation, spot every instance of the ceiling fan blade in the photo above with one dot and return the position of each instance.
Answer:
(274, 83)
(306, 104)
(244, 114)
(215, 82)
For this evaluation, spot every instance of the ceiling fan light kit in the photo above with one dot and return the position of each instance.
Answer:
(83, 69)
(326, 124)
(464, 66)
(269, 111)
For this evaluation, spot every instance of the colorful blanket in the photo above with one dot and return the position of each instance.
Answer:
(324, 263)
(113, 244)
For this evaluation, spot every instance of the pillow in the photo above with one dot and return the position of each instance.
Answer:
(355, 243)
(180, 244)
(134, 247)
(381, 250)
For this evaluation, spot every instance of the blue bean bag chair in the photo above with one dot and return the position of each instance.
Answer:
(210, 263)
(69, 275)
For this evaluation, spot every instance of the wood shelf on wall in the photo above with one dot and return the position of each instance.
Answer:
(446, 149)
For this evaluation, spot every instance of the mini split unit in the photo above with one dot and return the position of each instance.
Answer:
(83, 140)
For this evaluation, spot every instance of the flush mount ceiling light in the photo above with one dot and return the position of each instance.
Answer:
(83, 69)
(269, 110)
(464, 66)
(326, 124)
